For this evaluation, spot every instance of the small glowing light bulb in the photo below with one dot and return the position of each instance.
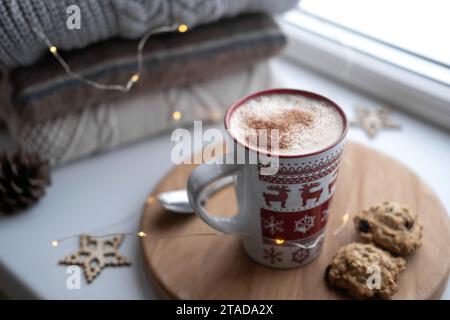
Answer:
(151, 200)
(55, 243)
(53, 50)
(135, 78)
(279, 241)
(141, 234)
(182, 28)
(176, 115)
(215, 116)
(345, 218)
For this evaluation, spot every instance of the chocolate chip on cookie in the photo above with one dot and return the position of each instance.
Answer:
(365, 271)
(391, 226)
(363, 226)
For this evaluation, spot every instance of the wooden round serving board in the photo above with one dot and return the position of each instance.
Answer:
(216, 267)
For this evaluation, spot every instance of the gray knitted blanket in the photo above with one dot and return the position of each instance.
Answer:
(103, 19)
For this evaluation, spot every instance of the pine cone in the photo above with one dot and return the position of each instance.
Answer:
(23, 178)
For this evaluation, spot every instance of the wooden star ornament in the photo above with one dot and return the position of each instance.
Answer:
(372, 121)
(95, 254)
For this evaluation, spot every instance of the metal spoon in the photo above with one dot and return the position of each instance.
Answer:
(177, 201)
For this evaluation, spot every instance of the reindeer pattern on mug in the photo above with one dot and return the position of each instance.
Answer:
(294, 206)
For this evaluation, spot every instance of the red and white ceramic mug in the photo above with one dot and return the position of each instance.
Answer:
(282, 217)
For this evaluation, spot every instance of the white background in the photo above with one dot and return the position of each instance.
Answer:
(420, 26)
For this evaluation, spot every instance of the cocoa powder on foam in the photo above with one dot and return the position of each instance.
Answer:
(284, 122)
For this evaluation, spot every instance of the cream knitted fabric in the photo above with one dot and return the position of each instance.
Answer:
(111, 125)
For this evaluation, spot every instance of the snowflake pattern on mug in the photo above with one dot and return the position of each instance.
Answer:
(272, 255)
(304, 224)
(293, 225)
(273, 225)
(325, 214)
(300, 255)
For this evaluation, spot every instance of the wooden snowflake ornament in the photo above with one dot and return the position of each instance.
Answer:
(373, 121)
(95, 254)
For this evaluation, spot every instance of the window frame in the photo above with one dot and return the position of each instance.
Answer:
(324, 46)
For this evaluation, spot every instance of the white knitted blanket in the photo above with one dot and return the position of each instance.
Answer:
(102, 19)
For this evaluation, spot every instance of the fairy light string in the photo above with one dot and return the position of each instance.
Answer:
(345, 219)
(134, 78)
(142, 234)
(139, 234)
(175, 115)
(151, 200)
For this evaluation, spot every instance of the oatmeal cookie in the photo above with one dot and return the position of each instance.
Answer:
(391, 226)
(355, 267)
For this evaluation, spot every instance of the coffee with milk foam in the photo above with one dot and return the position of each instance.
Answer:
(304, 125)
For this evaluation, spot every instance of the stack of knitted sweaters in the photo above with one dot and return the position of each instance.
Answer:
(197, 73)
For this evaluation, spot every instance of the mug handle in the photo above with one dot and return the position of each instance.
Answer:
(203, 176)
